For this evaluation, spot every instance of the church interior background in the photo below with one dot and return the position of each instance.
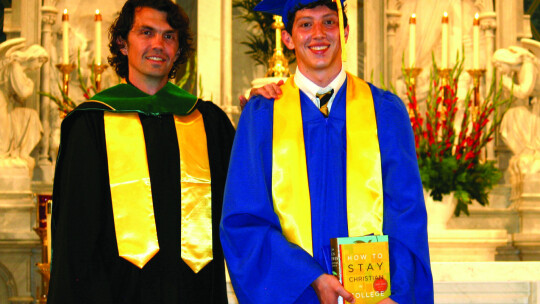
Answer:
(489, 256)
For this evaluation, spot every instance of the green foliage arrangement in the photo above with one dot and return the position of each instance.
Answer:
(261, 39)
(450, 158)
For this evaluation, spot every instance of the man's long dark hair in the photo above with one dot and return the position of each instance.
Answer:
(328, 3)
(176, 18)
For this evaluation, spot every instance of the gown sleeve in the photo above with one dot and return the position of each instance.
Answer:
(405, 218)
(80, 199)
(264, 267)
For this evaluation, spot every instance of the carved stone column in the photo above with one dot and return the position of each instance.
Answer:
(45, 169)
(488, 24)
(393, 23)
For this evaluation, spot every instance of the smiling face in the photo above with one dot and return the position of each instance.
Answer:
(151, 48)
(315, 39)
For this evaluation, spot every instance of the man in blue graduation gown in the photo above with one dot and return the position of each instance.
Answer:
(310, 166)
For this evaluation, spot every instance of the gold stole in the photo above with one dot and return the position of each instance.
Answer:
(290, 188)
(131, 192)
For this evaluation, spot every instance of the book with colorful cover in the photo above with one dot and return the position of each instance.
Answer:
(362, 265)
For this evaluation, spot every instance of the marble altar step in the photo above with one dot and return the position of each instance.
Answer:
(465, 244)
(486, 282)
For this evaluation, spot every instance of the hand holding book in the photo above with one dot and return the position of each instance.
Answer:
(328, 289)
(361, 264)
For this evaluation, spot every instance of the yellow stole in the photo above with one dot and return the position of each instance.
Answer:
(290, 188)
(131, 192)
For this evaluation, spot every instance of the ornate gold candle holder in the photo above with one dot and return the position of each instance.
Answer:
(98, 69)
(413, 73)
(445, 76)
(279, 65)
(476, 74)
(66, 69)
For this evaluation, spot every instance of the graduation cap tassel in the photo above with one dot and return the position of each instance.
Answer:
(341, 31)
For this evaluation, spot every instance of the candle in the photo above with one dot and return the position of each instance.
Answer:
(97, 52)
(476, 38)
(444, 51)
(65, 37)
(412, 41)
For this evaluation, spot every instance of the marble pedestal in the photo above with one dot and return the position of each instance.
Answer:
(44, 171)
(527, 240)
(465, 244)
(20, 248)
(14, 179)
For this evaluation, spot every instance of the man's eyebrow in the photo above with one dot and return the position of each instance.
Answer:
(143, 27)
(304, 18)
(148, 27)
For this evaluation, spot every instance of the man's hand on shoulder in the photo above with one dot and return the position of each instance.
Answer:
(328, 289)
(387, 301)
(270, 91)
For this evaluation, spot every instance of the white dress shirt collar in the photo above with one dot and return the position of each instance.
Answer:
(311, 89)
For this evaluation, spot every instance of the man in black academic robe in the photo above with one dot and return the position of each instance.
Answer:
(149, 39)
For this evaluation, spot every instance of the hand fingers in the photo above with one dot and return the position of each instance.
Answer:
(243, 101)
(269, 91)
(347, 296)
(277, 88)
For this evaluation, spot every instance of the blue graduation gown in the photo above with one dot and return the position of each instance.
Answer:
(264, 266)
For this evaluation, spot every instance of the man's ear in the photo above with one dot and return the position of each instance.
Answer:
(346, 32)
(178, 53)
(287, 40)
(123, 45)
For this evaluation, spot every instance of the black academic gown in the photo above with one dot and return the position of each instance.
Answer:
(86, 267)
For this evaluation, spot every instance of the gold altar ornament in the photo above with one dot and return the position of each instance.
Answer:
(279, 65)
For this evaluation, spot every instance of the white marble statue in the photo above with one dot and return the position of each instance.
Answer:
(20, 127)
(520, 127)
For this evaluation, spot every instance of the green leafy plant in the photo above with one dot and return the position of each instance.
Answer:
(261, 39)
(450, 153)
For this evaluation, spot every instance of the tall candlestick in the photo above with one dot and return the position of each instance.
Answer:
(65, 37)
(476, 38)
(444, 51)
(98, 38)
(412, 41)
(278, 19)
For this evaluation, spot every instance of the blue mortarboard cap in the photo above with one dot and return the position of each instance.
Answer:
(282, 7)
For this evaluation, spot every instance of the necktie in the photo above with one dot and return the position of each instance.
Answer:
(323, 101)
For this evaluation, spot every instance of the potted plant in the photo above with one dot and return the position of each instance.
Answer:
(450, 141)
